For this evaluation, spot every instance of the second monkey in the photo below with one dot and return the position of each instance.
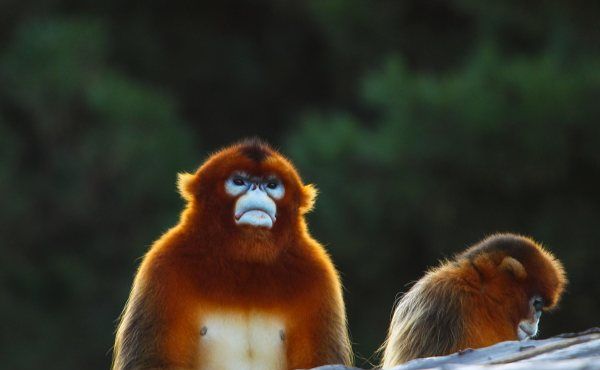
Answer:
(492, 292)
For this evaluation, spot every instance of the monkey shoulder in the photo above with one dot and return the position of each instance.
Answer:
(311, 264)
(453, 277)
(298, 274)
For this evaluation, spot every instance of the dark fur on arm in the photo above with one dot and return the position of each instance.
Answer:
(335, 347)
(136, 345)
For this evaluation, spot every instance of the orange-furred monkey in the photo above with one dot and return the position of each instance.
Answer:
(238, 283)
(492, 292)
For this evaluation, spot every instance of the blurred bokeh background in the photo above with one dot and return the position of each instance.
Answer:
(426, 125)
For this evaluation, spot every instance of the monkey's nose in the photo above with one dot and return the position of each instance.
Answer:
(254, 187)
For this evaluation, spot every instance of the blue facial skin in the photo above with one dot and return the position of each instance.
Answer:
(255, 205)
(528, 327)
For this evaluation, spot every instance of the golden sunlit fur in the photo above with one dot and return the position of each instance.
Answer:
(475, 300)
(207, 277)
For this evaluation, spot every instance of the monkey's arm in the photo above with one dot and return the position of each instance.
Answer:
(142, 340)
(136, 344)
(317, 326)
(333, 342)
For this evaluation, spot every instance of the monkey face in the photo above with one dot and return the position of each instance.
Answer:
(529, 327)
(255, 198)
(247, 192)
(250, 200)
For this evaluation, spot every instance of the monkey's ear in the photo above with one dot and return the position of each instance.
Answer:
(185, 185)
(308, 200)
(514, 267)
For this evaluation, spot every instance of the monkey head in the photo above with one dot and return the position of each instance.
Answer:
(248, 194)
(525, 278)
(494, 291)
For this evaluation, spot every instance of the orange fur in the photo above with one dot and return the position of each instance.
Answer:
(475, 300)
(207, 263)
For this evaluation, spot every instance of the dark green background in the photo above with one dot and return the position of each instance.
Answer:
(426, 125)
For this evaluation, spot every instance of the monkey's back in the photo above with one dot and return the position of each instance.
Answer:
(427, 321)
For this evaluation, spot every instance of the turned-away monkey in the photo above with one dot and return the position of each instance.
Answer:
(494, 291)
(238, 283)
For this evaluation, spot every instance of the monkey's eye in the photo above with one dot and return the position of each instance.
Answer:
(239, 182)
(274, 187)
(538, 304)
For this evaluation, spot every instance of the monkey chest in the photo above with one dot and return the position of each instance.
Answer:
(242, 341)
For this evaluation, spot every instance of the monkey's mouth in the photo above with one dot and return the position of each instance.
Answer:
(525, 331)
(255, 217)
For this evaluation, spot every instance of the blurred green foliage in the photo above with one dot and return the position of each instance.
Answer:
(86, 152)
(425, 125)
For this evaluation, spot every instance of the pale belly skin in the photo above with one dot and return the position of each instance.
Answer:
(242, 341)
